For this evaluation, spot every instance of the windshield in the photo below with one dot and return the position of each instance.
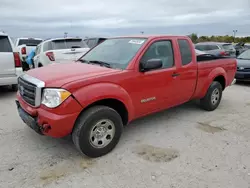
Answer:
(228, 46)
(68, 43)
(29, 42)
(116, 52)
(244, 55)
(247, 46)
(200, 47)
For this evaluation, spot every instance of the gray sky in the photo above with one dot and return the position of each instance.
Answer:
(51, 18)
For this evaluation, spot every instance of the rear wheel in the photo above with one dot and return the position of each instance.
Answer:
(213, 97)
(97, 131)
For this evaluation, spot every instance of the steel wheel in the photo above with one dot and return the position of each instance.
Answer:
(215, 97)
(102, 133)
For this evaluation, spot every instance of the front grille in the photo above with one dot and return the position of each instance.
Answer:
(243, 70)
(27, 90)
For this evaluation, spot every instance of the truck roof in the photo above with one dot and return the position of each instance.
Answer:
(151, 36)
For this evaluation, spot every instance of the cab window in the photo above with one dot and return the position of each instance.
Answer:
(186, 53)
(160, 50)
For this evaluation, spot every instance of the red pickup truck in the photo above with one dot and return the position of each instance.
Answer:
(119, 80)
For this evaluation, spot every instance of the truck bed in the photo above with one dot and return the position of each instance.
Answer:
(207, 66)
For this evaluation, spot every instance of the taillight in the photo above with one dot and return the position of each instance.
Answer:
(223, 53)
(51, 56)
(23, 50)
(17, 60)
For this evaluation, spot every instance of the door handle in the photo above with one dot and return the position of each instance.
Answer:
(175, 74)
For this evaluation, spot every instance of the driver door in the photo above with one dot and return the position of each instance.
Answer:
(157, 88)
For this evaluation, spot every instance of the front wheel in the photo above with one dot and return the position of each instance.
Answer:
(213, 97)
(97, 131)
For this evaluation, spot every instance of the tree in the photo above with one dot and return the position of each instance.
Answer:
(193, 37)
(226, 38)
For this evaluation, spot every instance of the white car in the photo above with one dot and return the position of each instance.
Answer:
(26, 45)
(10, 63)
(59, 50)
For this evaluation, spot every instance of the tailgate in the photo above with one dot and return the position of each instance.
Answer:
(69, 54)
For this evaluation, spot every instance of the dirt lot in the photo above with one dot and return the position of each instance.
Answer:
(182, 147)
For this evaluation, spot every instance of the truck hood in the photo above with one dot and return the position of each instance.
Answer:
(56, 75)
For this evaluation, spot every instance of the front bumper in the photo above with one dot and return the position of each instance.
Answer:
(58, 122)
(28, 119)
(240, 75)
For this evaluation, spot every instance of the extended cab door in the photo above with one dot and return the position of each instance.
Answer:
(156, 89)
(187, 72)
(7, 63)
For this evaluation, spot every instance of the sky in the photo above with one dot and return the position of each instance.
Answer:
(90, 18)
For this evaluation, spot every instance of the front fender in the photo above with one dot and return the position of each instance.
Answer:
(212, 75)
(99, 91)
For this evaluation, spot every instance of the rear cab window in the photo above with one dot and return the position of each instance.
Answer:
(185, 50)
(29, 42)
(68, 43)
(5, 45)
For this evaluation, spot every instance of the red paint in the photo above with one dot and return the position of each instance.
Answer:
(91, 83)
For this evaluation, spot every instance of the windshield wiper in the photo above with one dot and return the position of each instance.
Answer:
(101, 63)
(82, 60)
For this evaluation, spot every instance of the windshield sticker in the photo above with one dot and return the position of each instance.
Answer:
(136, 41)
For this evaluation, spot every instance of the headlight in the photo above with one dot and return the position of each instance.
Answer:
(54, 97)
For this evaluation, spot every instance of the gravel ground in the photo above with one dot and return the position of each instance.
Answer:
(181, 147)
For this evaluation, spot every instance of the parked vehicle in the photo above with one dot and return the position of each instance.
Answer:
(241, 47)
(59, 50)
(116, 82)
(198, 52)
(243, 66)
(247, 45)
(25, 46)
(216, 48)
(92, 42)
(10, 62)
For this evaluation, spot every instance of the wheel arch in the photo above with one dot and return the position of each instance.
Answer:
(115, 104)
(218, 74)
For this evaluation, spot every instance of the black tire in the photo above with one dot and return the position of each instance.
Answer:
(14, 87)
(85, 124)
(25, 66)
(206, 102)
(40, 65)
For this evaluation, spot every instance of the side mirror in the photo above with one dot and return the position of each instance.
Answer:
(151, 64)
